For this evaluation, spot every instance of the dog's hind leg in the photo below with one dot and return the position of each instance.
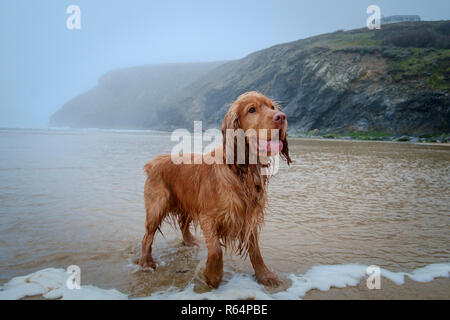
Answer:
(184, 222)
(156, 203)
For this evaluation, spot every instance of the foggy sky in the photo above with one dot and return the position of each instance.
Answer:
(43, 64)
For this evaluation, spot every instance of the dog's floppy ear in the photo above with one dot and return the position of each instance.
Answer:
(285, 151)
(230, 122)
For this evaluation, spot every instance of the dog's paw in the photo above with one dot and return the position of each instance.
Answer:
(213, 280)
(268, 279)
(147, 264)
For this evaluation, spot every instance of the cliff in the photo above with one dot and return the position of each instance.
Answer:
(393, 80)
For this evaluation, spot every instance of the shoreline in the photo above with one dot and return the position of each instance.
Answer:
(335, 137)
(318, 138)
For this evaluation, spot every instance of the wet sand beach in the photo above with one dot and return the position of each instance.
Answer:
(75, 197)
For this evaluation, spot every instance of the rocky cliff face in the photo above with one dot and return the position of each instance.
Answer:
(359, 80)
(350, 90)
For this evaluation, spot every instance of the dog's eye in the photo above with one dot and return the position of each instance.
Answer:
(273, 108)
(251, 110)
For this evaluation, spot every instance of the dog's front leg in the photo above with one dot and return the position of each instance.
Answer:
(262, 273)
(214, 265)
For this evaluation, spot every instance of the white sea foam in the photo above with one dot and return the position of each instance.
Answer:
(51, 284)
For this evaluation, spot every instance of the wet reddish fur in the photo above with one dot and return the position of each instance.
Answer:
(228, 203)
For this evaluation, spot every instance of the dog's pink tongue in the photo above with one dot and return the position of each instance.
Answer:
(271, 146)
(275, 146)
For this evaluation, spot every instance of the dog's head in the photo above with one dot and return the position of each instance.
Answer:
(261, 121)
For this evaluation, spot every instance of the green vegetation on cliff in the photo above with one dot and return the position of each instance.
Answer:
(394, 80)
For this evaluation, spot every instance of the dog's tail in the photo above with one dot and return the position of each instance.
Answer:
(155, 164)
(147, 168)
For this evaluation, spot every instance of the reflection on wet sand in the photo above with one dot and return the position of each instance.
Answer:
(76, 198)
